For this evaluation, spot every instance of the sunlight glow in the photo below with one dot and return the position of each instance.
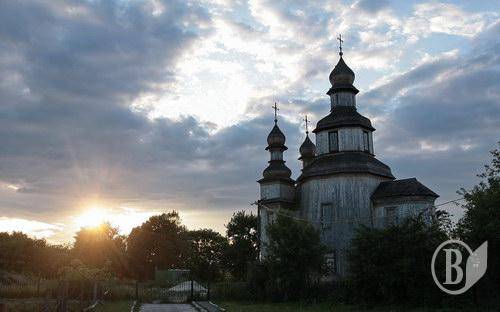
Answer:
(93, 217)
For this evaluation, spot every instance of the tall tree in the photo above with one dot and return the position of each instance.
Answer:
(160, 242)
(481, 222)
(100, 246)
(242, 234)
(206, 256)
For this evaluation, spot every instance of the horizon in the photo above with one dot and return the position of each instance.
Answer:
(121, 110)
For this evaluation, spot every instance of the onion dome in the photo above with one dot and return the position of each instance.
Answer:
(342, 73)
(307, 149)
(276, 138)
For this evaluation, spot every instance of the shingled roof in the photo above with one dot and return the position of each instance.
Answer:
(343, 116)
(345, 162)
(405, 187)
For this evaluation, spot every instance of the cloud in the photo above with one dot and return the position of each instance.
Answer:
(166, 105)
(34, 228)
(445, 18)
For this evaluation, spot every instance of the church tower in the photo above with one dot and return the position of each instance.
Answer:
(277, 190)
(335, 187)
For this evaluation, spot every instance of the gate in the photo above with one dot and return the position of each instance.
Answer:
(176, 286)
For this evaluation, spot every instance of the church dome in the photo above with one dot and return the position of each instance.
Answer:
(277, 169)
(342, 74)
(307, 149)
(276, 137)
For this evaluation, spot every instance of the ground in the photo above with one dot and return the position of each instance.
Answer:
(320, 307)
(115, 306)
(167, 308)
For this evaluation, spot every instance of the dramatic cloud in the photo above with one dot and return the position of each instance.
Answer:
(149, 106)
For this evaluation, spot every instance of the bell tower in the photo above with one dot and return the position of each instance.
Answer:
(277, 189)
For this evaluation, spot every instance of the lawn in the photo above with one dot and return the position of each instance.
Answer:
(232, 306)
(287, 307)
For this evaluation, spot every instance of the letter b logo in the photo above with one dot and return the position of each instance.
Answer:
(475, 267)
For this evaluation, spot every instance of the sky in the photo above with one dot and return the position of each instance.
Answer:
(119, 110)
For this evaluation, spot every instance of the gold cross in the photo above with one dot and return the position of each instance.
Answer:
(339, 38)
(276, 109)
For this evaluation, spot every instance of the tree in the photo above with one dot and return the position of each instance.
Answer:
(392, 265)
(481, 222)
(100, 245)
(160, 242)
(206, 255)
(21, 253)
(295, 257)
(243, 239)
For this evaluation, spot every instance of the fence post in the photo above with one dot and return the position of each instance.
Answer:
(136, 290)
(38, 286)
(94, 293)
(208, 290)
(192, 289)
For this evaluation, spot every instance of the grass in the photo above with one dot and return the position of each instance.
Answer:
(232, 306)
(286, 307)
(115, 306)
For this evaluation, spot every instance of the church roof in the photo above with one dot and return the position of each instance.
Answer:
(307, 149)
(405, 187)
(342, 116)
(341, 73)
(342, 78)
(345, 162)
(276, 138)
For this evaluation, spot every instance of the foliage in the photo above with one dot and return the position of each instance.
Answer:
(101, 247)
(481, 222)
(243, 241)
(78, 271)
(295, 258)
(206, 255)
(21, 253)
(160, 242)
(391, 265)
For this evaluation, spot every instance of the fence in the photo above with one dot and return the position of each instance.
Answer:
(66, 296)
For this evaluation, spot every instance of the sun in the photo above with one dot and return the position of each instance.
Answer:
(93, 217)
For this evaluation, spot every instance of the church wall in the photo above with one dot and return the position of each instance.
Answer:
(350, 139)
(349, 195)
(272, 190)
(402, 208)
(342, 99)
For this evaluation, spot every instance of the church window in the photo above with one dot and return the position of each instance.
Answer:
(325, 216)
(331, 262)
(333, 138)
(391, 215)
(366, 141)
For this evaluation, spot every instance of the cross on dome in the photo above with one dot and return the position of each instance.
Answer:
(339, 38)
(276, 109)
(307, 124)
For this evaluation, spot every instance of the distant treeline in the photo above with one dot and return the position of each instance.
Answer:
(161, 242)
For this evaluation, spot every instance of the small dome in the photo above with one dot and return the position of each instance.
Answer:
(341, 74)
(277, 169)
(276, 137)
(307, 149)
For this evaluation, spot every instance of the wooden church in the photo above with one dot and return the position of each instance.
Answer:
(342, 183)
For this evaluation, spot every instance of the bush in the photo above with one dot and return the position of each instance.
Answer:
(392, 265)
